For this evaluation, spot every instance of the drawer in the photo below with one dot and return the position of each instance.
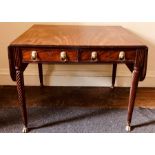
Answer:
(107, 55)
(52, 55)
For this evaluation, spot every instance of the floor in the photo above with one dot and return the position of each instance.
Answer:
(77, 109)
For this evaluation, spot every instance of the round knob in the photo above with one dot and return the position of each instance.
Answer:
(94, 56)
(122, 55)
(34, 55)
(63, 56)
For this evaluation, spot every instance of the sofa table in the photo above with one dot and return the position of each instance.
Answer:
(72, 44)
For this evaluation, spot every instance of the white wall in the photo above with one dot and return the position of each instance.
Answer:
(78, 75)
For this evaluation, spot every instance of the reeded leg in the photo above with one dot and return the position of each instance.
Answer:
(114, 75)
(40, 68)
(21, 98)
(132, 97)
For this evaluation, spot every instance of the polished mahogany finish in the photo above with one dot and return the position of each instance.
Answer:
(58, 44)
(69, 35)
(81, 55)
(51, 55)
(107, 56)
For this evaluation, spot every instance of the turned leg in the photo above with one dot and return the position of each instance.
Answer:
(40, 68)
(21, 98)
(132, 97)
(114, 75)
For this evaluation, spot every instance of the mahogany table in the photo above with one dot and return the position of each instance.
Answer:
(56, 44)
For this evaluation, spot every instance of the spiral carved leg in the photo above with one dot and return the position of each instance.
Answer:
(21, 97)
(132, 97)
(40, 68)
(113, 75)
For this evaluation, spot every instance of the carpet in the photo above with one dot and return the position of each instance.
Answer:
(77, 120)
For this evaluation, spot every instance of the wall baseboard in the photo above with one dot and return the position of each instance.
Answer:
(76, 76)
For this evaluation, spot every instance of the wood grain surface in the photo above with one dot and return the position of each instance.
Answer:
(73, 55)
(53, 55)
(69, 35)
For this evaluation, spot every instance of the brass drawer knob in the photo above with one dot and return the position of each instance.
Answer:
(121, 55)
(94, 56)
(63, 56)
(34, 55)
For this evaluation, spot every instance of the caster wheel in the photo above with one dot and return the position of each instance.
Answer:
(128, 128)
(25, 130)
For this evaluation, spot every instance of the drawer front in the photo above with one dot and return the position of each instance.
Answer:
(81, 55)
(107, 56)
(52, 55)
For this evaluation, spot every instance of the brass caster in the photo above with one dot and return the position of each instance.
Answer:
(25, 130)
(128, 128)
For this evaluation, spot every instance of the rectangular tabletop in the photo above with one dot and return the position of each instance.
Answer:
(69, 35)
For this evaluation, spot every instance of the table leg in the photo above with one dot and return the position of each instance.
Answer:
(114, 75)
(132, 96)
(21, 98)
(40, 68)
